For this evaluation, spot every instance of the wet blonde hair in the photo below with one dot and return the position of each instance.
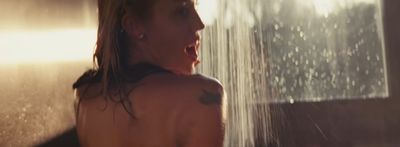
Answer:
(110, 56)
(111, 52)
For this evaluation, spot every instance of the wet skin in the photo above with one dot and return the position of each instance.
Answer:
(169, 110)
(177, 109)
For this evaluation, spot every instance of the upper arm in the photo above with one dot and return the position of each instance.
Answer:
(203, 122)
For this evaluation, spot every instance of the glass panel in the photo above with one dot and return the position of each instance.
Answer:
(310, 50)
(269, 51)
(332, 52)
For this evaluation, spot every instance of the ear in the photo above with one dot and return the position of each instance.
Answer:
(132, 26)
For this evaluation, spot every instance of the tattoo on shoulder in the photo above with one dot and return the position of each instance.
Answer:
(209, 98)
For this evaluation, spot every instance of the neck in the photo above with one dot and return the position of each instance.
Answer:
(139, 56)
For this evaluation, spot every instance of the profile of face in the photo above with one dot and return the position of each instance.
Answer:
(171, 35)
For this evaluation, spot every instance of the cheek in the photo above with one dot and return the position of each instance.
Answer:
(162, 35)
(169, 44)
(168, 40)
(167, 48)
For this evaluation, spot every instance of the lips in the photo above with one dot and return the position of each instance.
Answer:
(192, 51)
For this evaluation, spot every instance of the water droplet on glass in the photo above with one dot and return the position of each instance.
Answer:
(291, 101)
(276, 26)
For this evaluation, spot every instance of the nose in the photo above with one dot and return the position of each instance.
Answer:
(198, 23)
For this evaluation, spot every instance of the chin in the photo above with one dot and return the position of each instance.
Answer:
(182, 68)
(188, 70)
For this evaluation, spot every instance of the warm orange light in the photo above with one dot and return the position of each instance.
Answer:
(46, 46)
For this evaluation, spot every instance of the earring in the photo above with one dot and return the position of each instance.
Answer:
(141, 36)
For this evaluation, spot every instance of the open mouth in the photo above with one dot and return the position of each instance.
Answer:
(191, 51)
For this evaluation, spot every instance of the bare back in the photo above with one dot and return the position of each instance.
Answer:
(169, 111)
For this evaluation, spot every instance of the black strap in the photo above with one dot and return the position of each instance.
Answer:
(133, 73)
(139, 71)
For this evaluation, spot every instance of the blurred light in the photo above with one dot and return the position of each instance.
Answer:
(207, 10)
(324, 7)
(46, 46)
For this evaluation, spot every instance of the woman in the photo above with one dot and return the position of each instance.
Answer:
(142, 92)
